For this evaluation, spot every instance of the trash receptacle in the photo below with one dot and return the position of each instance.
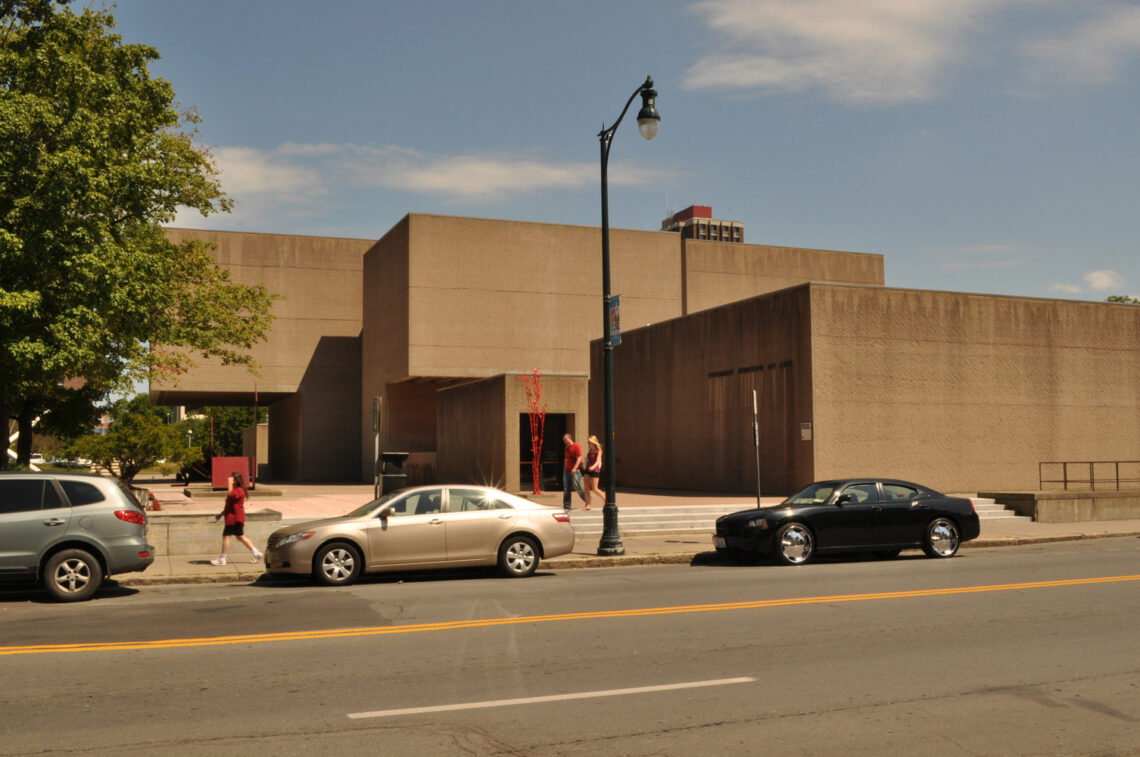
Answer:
(392, 476)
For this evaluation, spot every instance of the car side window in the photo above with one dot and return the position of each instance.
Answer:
(19, 495)
(898, 492)
(860, 493)
(475, 500)
(427, 502)
(81, 493)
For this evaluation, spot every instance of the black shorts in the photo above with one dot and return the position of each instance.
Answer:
(237, 529)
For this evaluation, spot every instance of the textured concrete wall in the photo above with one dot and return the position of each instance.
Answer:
(472, 437)
(717, 273)
(320, 281)
(965, 392)
(683, 398)
(285, 439)
(185, 534)
(487, 297)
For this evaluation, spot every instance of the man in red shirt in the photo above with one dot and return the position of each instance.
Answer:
(571, 473)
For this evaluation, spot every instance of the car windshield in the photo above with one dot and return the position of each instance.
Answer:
(371, 506)
(815, 494)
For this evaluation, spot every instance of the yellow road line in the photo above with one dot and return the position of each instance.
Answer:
(120, 646)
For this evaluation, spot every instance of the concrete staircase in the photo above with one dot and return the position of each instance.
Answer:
(990, 510)
(702, 518)
(653, 520)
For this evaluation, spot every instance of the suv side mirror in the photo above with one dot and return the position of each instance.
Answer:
(844, 499)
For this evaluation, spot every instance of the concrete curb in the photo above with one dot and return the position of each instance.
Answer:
(576, 563)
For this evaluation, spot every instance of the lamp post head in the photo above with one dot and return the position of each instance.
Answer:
(648, 118)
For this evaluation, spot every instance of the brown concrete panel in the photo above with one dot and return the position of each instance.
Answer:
(472, 437)
(717, 273)
(965, 392)
(487, 297)
(384, 336)
(285, 439)
(683, 403)
(319, 279)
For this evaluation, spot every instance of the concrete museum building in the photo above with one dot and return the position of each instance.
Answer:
(441, 318)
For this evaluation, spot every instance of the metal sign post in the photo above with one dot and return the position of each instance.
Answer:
(756, 443)
(376, 447)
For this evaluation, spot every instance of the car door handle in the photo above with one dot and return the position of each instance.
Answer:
(435, 521)
(54, 522)
(505, 516)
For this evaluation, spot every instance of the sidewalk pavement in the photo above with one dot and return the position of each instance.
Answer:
(299, 502)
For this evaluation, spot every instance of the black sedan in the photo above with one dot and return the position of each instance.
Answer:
(882, 516)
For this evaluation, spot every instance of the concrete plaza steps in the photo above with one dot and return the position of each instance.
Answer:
(990, 510)
(664, 520)
(653, 520)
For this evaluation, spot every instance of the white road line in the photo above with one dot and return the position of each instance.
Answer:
(551, 698)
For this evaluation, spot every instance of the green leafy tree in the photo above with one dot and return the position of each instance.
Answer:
(1124, 298)
(94, 157)
(229, 425)
(139, 437)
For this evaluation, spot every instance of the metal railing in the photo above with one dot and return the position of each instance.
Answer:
(1089, 475)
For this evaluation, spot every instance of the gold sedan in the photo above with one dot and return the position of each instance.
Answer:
(424, 527)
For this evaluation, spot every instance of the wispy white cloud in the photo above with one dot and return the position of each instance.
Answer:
(300, 171)
(1101, 281)
(1096, 50)
(1094, 281)
(885, 52)
(872, 51)
(981, 257)
(303, 179)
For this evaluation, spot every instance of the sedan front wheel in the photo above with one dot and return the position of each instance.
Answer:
(942, 539)
(337, 564)
(794, 544)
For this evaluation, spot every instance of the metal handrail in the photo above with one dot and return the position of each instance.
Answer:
(1071, 473)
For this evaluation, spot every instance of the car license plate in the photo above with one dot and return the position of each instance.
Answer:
(718, 542)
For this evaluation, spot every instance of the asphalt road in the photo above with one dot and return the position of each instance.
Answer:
(1011, 651)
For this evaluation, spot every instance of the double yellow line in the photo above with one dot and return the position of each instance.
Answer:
(341, 633)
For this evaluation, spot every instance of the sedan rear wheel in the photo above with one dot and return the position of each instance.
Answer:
(337, 564)
(72, 575)
(794, 544)
(942, 539)
(518, 557)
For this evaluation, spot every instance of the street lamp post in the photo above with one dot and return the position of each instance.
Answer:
(647, 121)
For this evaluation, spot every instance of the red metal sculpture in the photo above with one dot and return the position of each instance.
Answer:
(537, 415)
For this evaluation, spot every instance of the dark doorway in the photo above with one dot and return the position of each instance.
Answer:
(550, 477)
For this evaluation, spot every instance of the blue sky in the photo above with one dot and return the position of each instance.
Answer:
(980, 145)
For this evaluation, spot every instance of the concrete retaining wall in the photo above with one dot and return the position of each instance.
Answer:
(1070, 506)
(200, 534)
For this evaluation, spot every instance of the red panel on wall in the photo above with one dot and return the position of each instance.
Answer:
(222, 467)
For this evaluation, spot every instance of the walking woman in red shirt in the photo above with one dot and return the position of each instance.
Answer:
(234, 513)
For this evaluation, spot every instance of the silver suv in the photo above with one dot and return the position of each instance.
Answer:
(69, 530)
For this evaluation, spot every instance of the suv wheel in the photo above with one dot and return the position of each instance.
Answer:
(72, 575)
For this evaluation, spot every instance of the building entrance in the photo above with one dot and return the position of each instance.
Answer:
(550, 476)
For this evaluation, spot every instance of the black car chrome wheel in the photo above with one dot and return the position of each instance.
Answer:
(337, 564)
(942, 539)
(794, 544)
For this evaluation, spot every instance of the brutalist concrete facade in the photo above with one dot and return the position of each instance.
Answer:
(959, 391)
